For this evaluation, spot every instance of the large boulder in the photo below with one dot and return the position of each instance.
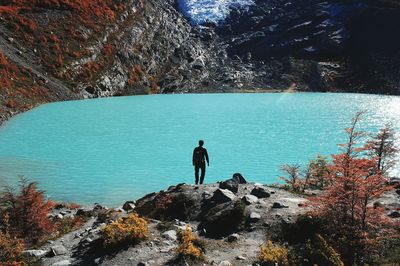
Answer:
(129, 206)
(230, 184)
(222, 196)
(260, 192)
(223, 220)
(180, 202)
(233, 183)
(239, 178)
(249, 199)
(58, 250)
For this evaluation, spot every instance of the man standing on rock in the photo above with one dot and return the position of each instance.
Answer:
(200, 156)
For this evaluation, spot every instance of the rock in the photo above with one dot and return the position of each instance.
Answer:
(254, 217)
(97, 261)
(241, 258)
(62, 263)
(249, 199)
(398, 191)
(239, 178)
(394, 214)
(167, 249)
(223, 219)
(260, 192)
(170, 235)
(37, 253)
(84, 212)
(60, 216)
(233, 237)
(230, 184)
(223, 196)
(278, 205)
(58, 250)
(225, 263)
(143, 264)
(129, 206)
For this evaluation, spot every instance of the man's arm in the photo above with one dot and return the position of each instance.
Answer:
(208, 161)
(193, 156)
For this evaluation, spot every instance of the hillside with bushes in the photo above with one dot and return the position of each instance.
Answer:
(52, 50)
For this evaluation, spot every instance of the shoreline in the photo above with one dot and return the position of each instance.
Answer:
(6, 116)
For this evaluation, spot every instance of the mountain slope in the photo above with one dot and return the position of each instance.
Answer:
(53, 50)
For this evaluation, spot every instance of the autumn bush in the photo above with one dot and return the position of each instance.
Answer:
(356, 178)
(272, 255)
(190, 247)
(10, 246)
(128, 230)
(27, 212)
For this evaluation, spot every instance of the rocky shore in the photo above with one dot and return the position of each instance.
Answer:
(233, 218)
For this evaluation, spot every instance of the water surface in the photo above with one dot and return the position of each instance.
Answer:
(116, 149)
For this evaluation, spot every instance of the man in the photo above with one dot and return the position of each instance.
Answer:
(200, 156)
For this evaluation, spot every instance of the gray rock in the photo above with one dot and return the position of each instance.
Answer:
(260, 192)
(249, 199)
(129, 206)
(62, 263)
(254, 217)
(241, 258)
(230, 184)
(60, 216)
(171, 235)
(37, 253)
(278, 205)
(143, 264)
(233, 237)
(225, 263)
(222, 196)
(58, 250)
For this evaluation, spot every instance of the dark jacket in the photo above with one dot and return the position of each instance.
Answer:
(200, 155)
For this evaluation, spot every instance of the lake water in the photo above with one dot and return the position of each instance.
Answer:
(117, 149)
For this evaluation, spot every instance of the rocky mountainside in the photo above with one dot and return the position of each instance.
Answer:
(59, 50)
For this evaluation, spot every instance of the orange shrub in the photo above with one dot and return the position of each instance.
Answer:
(188, 248)
(129, 230)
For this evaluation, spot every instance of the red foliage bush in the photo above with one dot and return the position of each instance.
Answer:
(354, 227)
(27, 212)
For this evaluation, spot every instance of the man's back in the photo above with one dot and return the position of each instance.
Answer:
(199, 155)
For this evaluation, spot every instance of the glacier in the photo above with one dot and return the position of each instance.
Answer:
(215, 11)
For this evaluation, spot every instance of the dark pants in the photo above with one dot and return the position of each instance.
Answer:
(197, 167)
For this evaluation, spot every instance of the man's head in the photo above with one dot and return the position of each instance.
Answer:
(201, 143)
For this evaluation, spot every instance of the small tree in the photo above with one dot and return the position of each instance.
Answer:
(354, 181)
(382, 146)
(27, 212)
(294, 179)
(316, 171)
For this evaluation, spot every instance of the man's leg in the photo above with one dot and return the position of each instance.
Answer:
(203, 173)
(196, 173)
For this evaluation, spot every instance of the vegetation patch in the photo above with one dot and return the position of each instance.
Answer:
(128, 230)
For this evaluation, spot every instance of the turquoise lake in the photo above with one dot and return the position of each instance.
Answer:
(117, 149)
